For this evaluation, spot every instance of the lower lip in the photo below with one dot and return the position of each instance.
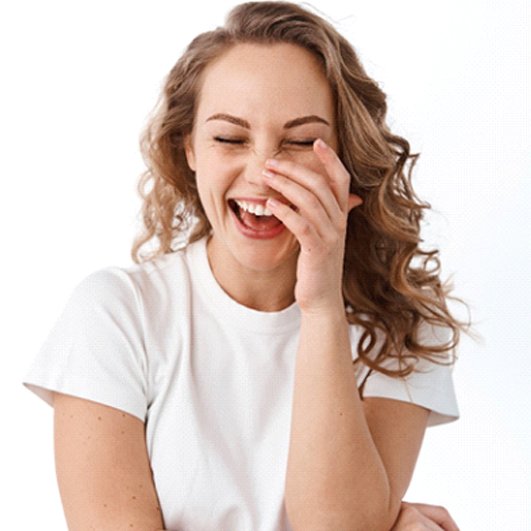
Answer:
(257, 234)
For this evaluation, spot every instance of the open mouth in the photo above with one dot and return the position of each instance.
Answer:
(254, 221)
(235, 208)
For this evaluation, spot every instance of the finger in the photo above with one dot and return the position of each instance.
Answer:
(411, 518)
(311, 181)
(438, 514)
(297, 224)
(308, 205)
(339, 176)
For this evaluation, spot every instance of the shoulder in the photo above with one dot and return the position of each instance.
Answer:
(427, 334)
(133, 285)
(430, 384)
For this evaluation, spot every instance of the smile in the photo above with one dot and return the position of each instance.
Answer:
(254, 220)
(254, 208)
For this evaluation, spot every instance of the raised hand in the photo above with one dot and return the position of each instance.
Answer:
(319, 223)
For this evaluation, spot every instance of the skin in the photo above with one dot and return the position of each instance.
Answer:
(424, 517)
(266, 87)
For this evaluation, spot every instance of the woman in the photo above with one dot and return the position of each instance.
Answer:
(210, 386)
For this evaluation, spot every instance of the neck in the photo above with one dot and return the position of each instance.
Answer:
(263, 290)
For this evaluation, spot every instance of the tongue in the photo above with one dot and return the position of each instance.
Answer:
(259, 222)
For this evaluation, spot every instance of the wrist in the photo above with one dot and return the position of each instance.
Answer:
(332, 310)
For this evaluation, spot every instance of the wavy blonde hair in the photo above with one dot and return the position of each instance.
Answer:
(381, 286)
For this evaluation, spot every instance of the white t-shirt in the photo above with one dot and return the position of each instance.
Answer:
(212, 380)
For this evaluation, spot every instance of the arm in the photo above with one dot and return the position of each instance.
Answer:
(348, 466)
(335, 477)
(102, 466)
(350, 462)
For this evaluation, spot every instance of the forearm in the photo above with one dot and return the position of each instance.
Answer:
(335, 477)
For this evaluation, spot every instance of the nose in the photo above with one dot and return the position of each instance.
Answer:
(255, 164)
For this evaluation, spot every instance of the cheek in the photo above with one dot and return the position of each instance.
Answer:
(214, 176)
(217, 159)
(309, 160)
(218, 173)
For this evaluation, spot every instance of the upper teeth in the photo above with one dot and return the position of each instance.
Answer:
(254, 208)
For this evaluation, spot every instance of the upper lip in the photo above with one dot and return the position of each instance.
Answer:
(260, 200)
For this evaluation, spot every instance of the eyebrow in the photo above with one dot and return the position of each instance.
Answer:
(288, 125)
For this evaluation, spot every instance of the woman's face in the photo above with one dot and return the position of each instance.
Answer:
(247, 100)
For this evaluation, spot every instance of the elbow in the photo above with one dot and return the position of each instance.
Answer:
(384, 514)
(374, 523)
(367, 517)
(388, 514)
(374, 510)
(378, 520)
(379, 513)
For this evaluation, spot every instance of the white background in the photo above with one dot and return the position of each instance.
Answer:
(79, 79)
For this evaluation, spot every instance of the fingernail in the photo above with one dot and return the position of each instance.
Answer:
(268, 174)
(272, 163)
(272, 202)
(321, 144)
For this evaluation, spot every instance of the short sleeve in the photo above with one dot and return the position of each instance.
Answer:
(96, 350)
(430, 385)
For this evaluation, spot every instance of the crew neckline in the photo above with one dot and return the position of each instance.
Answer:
(229, 310)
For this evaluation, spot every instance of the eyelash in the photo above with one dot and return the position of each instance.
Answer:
(236, 141)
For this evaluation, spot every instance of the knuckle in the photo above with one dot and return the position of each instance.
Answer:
(344, 176)
(341, 224)
(305, 228)
(409, 510)
(443, 510)
(320, 181)
(313, 202)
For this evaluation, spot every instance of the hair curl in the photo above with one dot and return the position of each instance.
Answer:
(382, 289)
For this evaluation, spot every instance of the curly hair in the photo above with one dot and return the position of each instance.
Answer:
(382, 288)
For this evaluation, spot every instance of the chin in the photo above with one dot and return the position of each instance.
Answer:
(257, 255)
(268, 259)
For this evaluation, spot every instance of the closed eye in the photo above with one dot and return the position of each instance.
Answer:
(302, 142)
(238, 141)
(228, 140)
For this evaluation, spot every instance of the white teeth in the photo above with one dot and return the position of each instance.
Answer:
(253, 208)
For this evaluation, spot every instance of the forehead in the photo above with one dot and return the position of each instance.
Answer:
(258, 80)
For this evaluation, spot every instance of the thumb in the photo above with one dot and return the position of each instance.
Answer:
(354, 201)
